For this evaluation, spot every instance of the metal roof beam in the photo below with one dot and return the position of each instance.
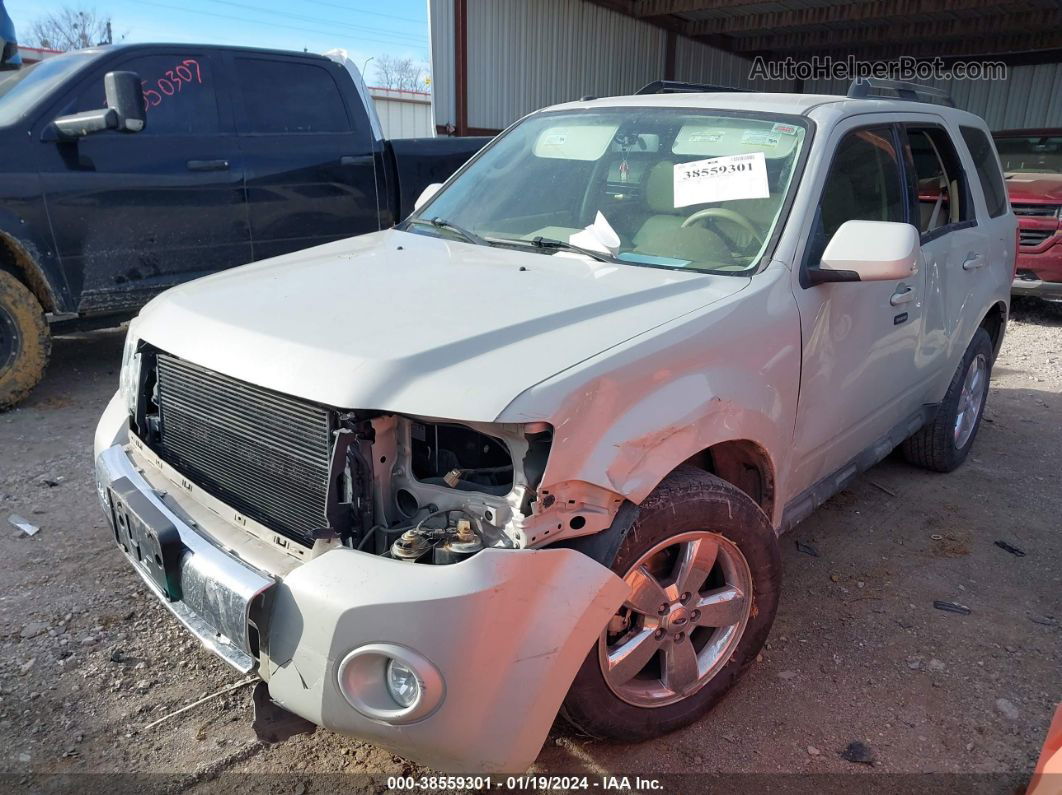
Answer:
(659, 8)
(855, 12)
(1004, 48)
(1015, 25)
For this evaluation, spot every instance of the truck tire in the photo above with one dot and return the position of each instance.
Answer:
(943, 444)
(24, 341)
(699, 552)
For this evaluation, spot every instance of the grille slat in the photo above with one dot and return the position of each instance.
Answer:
(1033, 237)
(1035, 210)
(265, 454)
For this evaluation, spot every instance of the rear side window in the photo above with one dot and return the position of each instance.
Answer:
(178, 92)
(987, 164)
(288, 97)
(940, 180)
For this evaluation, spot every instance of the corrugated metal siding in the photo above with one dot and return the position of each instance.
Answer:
(1031, 96)
(441, 52)
(700, 63)
(523, 56)
(403, 114)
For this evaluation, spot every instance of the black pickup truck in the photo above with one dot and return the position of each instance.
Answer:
(125, 170)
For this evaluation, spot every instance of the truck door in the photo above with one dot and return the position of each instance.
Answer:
(134, 214)
(309, 155)
(859, 339)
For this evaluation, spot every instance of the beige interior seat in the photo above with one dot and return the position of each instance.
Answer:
(662, 234)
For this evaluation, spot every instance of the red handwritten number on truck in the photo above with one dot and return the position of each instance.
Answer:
(187, 71)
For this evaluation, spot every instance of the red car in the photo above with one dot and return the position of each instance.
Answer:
(1032, 162)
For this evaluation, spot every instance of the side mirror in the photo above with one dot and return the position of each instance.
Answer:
(426, 194)
(125, 111)
(869, 251)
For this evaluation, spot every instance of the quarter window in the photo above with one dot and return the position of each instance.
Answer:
(984, 157)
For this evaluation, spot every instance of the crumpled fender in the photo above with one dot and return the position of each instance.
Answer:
(507, 629)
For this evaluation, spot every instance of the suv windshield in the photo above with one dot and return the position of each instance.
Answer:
(1036, 154)
(675, 188)
(25, 88)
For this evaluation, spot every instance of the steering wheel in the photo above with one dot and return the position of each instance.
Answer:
(729, 215)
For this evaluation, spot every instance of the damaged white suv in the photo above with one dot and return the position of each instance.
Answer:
(531, 450)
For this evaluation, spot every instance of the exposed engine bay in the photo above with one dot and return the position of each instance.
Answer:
(309, 477)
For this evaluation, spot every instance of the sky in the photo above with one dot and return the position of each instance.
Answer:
(365, 28)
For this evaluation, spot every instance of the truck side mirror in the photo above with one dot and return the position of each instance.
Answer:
(125, 111)
(869, 251)
(426, 194)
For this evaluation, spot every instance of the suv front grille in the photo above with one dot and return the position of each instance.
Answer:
(1035, 210)
(263, 453)
(1033, 237)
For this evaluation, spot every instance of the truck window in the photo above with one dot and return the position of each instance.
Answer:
(178, 92)
(940, 181)
(288, 97)
(987, 164)
(863, 183)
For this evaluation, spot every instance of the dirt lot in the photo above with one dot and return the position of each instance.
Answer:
(858, 651)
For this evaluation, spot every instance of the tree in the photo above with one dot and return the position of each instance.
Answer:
(402, 73)
(70, 28)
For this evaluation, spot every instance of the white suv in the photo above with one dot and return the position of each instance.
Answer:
(531, 451)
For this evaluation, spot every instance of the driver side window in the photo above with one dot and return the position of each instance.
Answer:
(863, 184)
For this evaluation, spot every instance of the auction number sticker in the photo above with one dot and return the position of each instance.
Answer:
(721, 179)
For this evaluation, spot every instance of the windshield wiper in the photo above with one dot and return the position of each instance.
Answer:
(461, 232)
(560, 245)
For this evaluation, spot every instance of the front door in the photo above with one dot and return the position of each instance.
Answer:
(136, 213)
(859, 338)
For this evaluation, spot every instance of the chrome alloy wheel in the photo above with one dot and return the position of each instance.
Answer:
(690, 600)
(971, 399)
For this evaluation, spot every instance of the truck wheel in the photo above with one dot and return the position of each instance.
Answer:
(703, 564)
(944, 443)
(24, 341)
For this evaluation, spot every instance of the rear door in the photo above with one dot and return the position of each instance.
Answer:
(309, 153)
(134, 214)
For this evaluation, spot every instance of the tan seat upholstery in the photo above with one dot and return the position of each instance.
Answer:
(662, 233)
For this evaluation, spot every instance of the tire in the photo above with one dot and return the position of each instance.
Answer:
(694, 505)
(939, 445)
(25, 343)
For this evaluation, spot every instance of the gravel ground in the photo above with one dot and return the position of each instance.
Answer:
(858, 653)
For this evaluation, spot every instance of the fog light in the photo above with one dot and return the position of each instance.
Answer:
(403, 684)
(390, 683)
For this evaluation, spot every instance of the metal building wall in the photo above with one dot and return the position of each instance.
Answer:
(441, 53)
(1031, 96)
(403, 114)
(524, 55)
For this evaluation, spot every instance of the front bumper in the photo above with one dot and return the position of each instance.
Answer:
(506, 630)
(1038, 288)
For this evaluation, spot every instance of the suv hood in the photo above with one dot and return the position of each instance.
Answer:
(1031, 188)
(415, 324)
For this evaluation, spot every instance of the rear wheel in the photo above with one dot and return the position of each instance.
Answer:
(24, 341)
(703, 565)
(943, 444)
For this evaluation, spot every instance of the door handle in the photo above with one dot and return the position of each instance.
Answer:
(351, 160)
(902, 295)
(208, 165)
(973, 262)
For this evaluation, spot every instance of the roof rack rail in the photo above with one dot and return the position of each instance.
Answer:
(871, 88)
(678, 87)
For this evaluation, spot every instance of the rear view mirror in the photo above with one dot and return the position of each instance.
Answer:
(426, 194)
(125, 111)
(868, 251)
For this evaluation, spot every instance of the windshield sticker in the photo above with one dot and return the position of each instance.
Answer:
(759, 138)
(707, 137)
(575, 142)
(785, 129)
(721, 179)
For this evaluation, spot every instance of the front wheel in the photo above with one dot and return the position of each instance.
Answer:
(703, 564)
(24, 341)
(944, 443)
